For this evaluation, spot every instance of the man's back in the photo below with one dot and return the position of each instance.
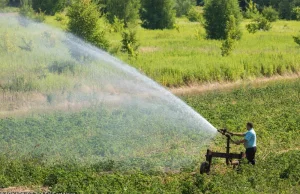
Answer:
(250, 137)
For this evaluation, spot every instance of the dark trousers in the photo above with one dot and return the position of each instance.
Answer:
(250, 155)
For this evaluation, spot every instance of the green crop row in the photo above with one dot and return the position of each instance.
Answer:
(273, 108)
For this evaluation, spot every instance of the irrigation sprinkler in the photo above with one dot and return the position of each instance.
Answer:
(205, 166)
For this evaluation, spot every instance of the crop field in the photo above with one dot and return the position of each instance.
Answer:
(274, 107)
(74, 119)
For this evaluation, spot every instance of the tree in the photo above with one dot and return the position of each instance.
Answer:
(83, 23)
(158, 14)
(232, 35)
(182, 7)
(129, 43)
(217, 13)
(126, 10)
(270, 14)
(3, 3)
(49, 6)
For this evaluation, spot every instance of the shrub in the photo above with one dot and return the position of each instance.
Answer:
(125, 10)
(251, 10)
(83, 22)
(270, 14)
(296, 13)
(183, 7)
(118, 25)
(194, 15)
(158, 14)
(216, 14)
(259, 23)
(129, 43)
(49, 6)
(297, 39)
(3, 3)
(59, 17)
(232, 34)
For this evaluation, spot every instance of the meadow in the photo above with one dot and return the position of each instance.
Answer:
(184, 57)
(274, 108)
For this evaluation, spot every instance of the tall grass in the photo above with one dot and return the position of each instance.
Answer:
(180, 58)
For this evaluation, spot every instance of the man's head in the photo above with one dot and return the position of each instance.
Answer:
(249, 126)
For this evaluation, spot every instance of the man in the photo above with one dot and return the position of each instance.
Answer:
(249, 142)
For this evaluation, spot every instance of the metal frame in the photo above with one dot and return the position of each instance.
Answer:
(205, 166)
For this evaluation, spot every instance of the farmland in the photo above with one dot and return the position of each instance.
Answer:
(274, 107)
(75, 119)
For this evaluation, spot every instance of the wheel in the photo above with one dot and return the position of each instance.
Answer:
(204, 168)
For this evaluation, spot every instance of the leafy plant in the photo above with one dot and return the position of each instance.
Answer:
(129, 42)
(297, 39)
(194, 15)
(83, 22)
(259, 23)
(157, 14)
(270, 14)
(217, 13)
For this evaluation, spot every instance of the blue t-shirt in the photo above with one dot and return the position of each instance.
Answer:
(250, 137)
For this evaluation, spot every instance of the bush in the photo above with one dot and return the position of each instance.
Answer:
(217, 13)
(158, 14)
(183, 7)
(125, 10)
(194, 15)
(49, 6)
(251, 10)
(297, 39)
(84, 17)
(296, 13)
(232, 34)
(129, 43)
(270, 14)
(3, 3)
(259, 23)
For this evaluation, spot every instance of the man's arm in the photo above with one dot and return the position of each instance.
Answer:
(238, 134)
(240, 141)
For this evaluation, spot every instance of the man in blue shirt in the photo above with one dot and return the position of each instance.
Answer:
(249, 142)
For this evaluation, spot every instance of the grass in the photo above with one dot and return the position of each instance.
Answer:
(273, 107)
(182, 57)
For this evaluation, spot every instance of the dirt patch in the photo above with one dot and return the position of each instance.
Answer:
(202, 88)
(24, 189)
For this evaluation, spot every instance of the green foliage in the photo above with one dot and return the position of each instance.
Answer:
(183, 7)
(194, 15)
(3, 3)
(216, 14)
(84, 17)
(286, 8)
(277, 169)
(158, 14)
(259, 23)
(125, 10)
(270, 14)
(251, 10)
(232, 35)
(296, 13)
(49, 6)
(297, 39)
(118, 25)
(129, 42)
